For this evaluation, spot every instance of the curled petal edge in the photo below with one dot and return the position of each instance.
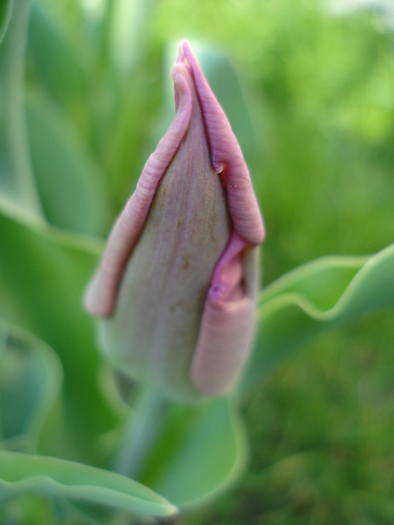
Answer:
(223, 346)
(101, 295)
(227, 325)
(226, 155)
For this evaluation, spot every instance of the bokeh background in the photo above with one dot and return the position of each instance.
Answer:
(317, 79)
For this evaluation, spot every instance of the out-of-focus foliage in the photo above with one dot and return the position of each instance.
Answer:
(30, 380)
(317, 297)
(81, 104)
(5, 15)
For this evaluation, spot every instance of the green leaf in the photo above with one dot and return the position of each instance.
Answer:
(30, 380)
(128, 33)
(43, 273)
(5, 15)
(201, 451)
(54, 63)
(72, 187)
(17, 185)
(28, 474)
(317, 297)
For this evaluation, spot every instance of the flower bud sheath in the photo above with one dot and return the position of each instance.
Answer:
(176, 286)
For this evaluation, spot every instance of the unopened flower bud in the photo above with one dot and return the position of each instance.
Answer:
(177, 285)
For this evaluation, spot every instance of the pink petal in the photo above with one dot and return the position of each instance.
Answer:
(223, 346)
(227, 325)
(101, 295)
(226, 157)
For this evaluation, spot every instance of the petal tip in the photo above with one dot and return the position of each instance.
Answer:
(93, 303)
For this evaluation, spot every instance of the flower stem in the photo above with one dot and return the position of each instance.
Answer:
(141, 430)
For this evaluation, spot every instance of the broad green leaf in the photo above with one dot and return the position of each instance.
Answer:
(43, 273)
(17, 185)
(201, 451)
(71, 186)
(28, 474)
(5, 15)
(54, 63)
(317, 297)
(30, 380)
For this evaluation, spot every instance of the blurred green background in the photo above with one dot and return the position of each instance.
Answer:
(318, 85)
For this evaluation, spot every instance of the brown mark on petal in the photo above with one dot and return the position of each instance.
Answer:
(177, 304)
(186, 263)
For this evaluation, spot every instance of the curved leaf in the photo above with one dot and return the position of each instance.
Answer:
(26, 474)
(42, 278)
(201, 451)
(70, 184)
(17, 184)
(30, 380)
(317, 297)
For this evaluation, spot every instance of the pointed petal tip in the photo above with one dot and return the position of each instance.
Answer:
(226, 155)
(100, 298)
(181, 59)
(183, 45)
(94, 302)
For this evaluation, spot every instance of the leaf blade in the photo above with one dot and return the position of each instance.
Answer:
(23, 473)
(291, 314)
(202, 452)
(30, 381)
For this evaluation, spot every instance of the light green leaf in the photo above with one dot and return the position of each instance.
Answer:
(5, 15)
(72, 187)
(43, 274)
(17, 185)
(54, 63)
(30, 380)
(23, 473)
(317, 297)
(127, 32)
(201, 451)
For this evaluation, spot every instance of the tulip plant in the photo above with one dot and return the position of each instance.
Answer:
(126, 409)
(184, 318)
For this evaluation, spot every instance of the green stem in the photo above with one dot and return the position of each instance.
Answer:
(141, 430)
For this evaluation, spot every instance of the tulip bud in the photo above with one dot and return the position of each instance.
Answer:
(177, 284)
